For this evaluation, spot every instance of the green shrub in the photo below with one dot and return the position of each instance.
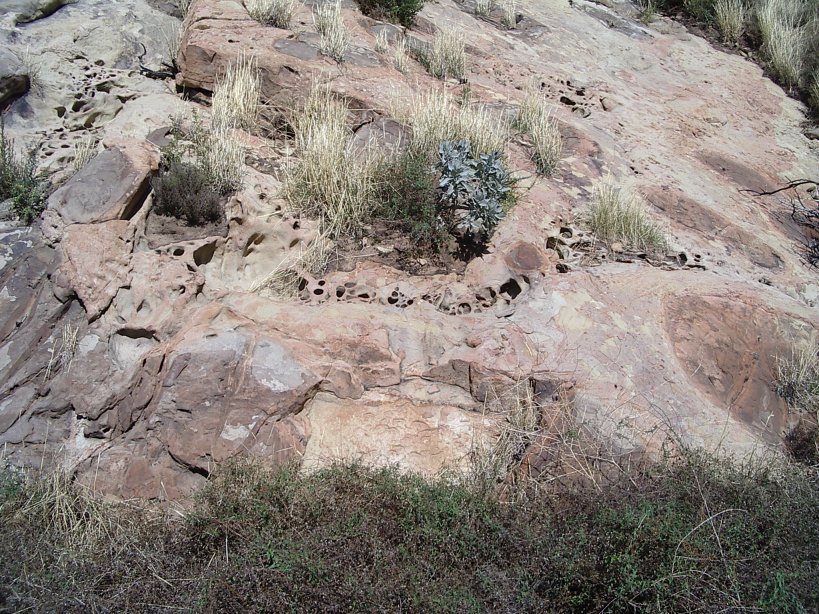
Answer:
(409, 197)
(396, 11)
(472, 189)
(19, 181)
(183, 191)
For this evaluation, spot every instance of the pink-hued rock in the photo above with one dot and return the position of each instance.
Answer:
(184, 358)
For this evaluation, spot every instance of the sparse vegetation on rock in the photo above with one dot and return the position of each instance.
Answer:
(617, 215)
(277, 13)
(785, 32)
(535, 119)
(453, 162)
(330, 26)
(201, 165)
(19, 181)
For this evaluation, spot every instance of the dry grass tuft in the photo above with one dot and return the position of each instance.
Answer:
(447, 58)
(484, 7)
(797, 376)
(509, 19)
(435, 118)
(400, 56)
(329, 179)
(535, 119)
(68, 510)
(731, 17)
(276, 13)
(84, 150)
(617, 215)
(330, 25)
(236, 97)
(62, 351)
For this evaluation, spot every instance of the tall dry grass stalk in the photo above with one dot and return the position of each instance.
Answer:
(535, 119)
(330, 26)
(63, 350)
(400, 56)
(329, 179)
(382, 42)
(435, 118)
(84, 150)
(617, 215)
(484, 7)
(509, 19)
(236, 97)
(797, 376)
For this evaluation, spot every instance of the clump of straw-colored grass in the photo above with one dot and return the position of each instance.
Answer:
(329, 179)
(277, 13)
(330, 26)
(236, 97)
(535, 119)
(617, 215)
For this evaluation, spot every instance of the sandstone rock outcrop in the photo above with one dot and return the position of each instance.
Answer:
(137, 352)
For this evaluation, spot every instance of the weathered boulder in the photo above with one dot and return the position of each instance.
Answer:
(14, 77)
(24, 11)
(112, 186)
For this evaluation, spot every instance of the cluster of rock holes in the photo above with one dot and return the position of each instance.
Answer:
(319, 291)
(80, 115)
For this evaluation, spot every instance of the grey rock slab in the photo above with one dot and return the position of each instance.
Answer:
(14, 78)
(104, 189)
(24, 11)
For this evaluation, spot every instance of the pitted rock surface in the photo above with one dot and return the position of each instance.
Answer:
(139, 353)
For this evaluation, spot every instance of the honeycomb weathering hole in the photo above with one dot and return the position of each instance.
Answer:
(511, 288)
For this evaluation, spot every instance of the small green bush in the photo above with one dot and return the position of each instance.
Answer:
(19, 181)
(409, 197)
(396, 11)
(475, 187)
(183, 191)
